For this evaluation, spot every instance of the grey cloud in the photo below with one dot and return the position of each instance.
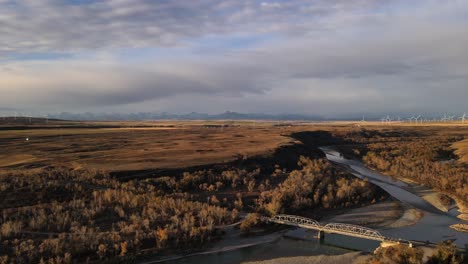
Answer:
(55, 26)
(83, 84)
(396, 62)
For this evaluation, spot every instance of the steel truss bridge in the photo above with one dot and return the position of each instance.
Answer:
(332, 228)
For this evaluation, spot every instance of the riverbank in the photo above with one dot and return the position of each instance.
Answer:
(387, 214)
(282, 247)
(438, 199)
(442, 201)
(410, 217)
(376, 215)
(337, 259)
(231, 242)
(462, 209)
(460, 227)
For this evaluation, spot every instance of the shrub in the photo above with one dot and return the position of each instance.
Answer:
(250, 221)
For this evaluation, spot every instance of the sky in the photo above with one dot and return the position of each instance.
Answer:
(318, 57)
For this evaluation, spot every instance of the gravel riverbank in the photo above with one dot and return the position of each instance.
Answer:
(336, 259)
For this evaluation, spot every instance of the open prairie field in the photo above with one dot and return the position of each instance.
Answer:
(122, 146)
(138, 145)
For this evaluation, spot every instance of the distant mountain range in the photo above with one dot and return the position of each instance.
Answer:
(191, 116)
(228, 115)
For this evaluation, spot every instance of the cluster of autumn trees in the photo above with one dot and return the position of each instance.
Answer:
(317, 184)
(97, 218)
(424, 159)
(210, 181)
(445, 252)
(58, 215)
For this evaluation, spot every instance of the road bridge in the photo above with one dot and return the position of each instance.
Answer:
(334, 228)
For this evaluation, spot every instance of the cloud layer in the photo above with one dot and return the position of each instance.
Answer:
(56, 25)
(324, 57)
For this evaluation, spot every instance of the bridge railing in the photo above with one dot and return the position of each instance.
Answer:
(294, 219)
(353, 229)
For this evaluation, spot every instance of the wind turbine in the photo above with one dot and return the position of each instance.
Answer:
(411, 119)
(463, 117)
(444, 118)
(417, 118)
(46, 118)
(386, 120)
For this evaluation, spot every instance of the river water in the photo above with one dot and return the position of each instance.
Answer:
(433, 227)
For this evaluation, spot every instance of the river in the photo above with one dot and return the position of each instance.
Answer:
(433, 227)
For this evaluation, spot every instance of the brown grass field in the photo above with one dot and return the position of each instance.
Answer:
(148, 145)
(121, 146)
(127, 148)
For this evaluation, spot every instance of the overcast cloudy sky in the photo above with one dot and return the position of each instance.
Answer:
(328, 57)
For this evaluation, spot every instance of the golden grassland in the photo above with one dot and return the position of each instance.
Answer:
(130, 148)
(120, 146)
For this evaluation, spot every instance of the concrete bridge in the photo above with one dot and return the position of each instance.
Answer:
(335, 228)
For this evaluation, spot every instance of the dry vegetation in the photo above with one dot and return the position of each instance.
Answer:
(426, 158)
(61, 213)
(445, 253)
(461, 150)
(77, 215)
(77, 193)
(318, 184)
(128, 148)
(81, 214)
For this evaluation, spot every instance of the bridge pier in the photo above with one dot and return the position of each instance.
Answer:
(320, 235)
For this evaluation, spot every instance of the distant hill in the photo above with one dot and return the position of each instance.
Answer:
(21, 120)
